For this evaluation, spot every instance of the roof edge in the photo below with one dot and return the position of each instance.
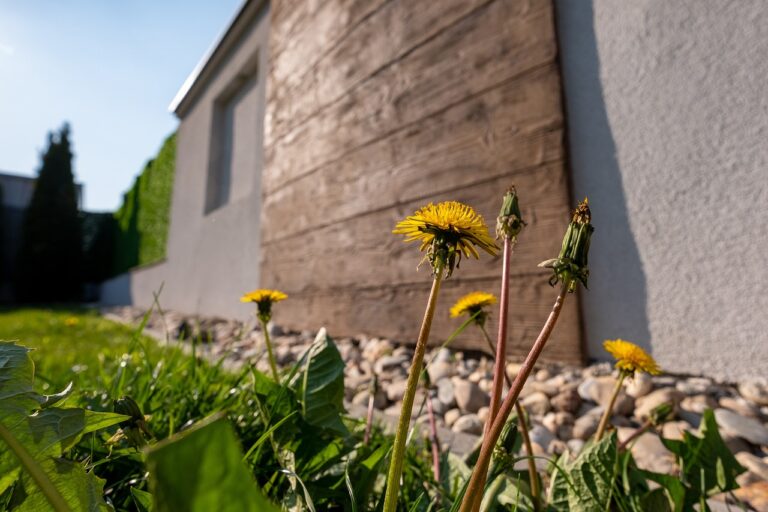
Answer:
(248, 9)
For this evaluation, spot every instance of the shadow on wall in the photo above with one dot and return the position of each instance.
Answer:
(615, 304)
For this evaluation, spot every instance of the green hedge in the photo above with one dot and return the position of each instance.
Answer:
(142, 220)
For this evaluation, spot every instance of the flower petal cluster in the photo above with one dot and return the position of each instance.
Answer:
(471, 303)
(264, 299)
(631, 358)
(263, 295)
(447, 231)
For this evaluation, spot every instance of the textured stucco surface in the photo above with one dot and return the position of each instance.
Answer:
(213, 256)
(667, 123)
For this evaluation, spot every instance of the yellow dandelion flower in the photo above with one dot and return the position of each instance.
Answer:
(631, 358)
(71, 321)
(447, 231)
(471, 303)
(264, 299)
(263, 295)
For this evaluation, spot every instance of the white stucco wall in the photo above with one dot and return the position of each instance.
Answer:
(668, 130)
(213, 256)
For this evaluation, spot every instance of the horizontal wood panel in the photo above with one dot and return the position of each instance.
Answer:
(304, 32)
(362, 251)
(513, 127)
(363, 52)
(395, 312)
(376, 108)
(480, 51)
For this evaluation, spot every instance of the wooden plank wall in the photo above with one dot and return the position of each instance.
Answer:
(377, 107)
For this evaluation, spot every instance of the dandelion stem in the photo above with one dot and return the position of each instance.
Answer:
(398, 450)
(474, 493)
(609, 409)
(642, 429)
(499, 368)
(268, 342)
(522, 423)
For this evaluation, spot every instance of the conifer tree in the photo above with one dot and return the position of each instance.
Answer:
(50, 258)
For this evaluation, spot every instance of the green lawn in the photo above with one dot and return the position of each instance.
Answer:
(68, 343)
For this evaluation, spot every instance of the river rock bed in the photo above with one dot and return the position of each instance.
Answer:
(564, 402)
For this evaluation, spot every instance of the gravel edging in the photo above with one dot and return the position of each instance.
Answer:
(563, 402)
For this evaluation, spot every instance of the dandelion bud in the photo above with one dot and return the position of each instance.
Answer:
(128, 407)
(571, 265)
(661, 414)
(510, 222)
(135, 428)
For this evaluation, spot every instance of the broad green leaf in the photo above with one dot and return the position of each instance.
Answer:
(142, 500)
(365, 474)
(201, 470)
(32, 440)
(558, 484)
(82, 491)
(17, 374)
(674, 489)
(50, 400)
(633, 487)
(320, 385)
(593, 474)
(278, 400)
(655, 500)
(707, 465)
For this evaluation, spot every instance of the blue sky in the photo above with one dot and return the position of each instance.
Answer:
(110, 68)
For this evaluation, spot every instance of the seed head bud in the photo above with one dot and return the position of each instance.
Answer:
(507, 446)
(571, 265)
(135, 428)
(510, 221)
(661, 414)
(128, 407)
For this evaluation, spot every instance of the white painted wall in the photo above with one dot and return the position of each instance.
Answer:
(213, 257)
(668, 130)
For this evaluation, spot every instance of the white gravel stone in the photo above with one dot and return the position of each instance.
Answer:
(740, 406)
(575, 446)
(754, 464)
(694, 386)
(649, 402)
(566, 401)
(469, 396)
(469, 424)
(439, 370)
(649, 452)
(675, 429)
(395, 390)
(537, 404)
(451, 416)
(639, 385)
(585, 426)
(746, 428)
(541, 436)
(756, 391)
(445, 393)
(389, 362)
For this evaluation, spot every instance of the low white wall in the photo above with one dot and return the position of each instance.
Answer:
(667, 118)
(136, 287)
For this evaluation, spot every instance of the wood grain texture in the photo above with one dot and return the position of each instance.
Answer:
(510, 128)
(376, 108)
(478, 52)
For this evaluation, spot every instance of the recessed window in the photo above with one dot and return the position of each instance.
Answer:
(230, 110)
